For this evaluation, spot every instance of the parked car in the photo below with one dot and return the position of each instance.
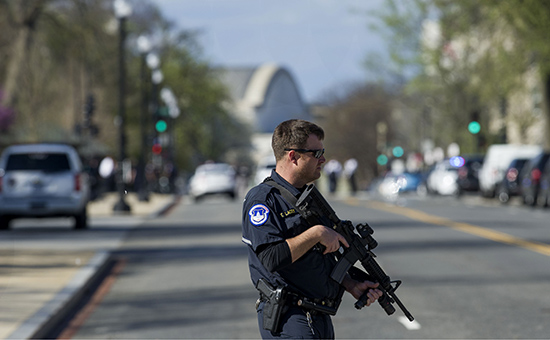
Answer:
(530, 178)
(42, 180)
(211, 179)
(510, 185)
(264, 168)
(468, 174)
(393, 184)
(443, 179)
(497, 158)
(544, 194)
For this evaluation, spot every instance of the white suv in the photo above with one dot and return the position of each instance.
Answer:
(213, 178)
(42, 180)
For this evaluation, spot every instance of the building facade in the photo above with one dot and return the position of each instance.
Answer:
(262, 97)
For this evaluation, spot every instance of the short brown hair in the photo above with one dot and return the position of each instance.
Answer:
(293, 133)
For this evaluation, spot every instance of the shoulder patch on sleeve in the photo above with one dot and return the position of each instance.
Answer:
(258, 214)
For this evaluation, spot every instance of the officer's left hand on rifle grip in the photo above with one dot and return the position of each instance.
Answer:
(370, 294)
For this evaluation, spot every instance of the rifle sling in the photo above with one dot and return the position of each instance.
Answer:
(287, 195)
(293, 200)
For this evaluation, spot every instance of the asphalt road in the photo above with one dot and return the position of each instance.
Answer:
(470, 269)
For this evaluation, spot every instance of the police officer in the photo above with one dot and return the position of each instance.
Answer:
(284, 250)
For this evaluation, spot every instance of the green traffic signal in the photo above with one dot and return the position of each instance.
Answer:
(398, 151)
(474, 127)
(161, 126)
(382, 160)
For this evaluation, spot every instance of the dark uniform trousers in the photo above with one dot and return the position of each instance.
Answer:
(294, 324)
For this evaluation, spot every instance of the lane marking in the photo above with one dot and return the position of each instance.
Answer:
(497, 236)
(410, 325)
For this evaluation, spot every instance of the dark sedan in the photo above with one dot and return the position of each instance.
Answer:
(510, 185)
(530, 178)
(468, 174)
(545, 186)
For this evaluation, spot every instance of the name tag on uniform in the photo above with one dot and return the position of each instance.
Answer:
(288, 213)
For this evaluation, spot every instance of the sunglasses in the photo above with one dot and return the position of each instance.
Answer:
(316, 153)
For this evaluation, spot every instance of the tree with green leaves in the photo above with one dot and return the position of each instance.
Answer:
(59, 52)
(352, 120)
(496, 62)
(471, 60)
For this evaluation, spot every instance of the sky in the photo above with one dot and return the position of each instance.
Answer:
(323, 43)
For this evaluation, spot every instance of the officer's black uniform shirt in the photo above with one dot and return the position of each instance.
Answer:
(267, 219)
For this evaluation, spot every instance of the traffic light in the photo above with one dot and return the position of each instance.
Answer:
(157, 149)
(382, 160)
(398, 151)
(474, 127)
(161, 126)
(87, 125)
(89, 107)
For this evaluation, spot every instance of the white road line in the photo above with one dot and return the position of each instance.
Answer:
(410, 325)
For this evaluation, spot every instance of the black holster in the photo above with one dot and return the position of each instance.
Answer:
(274, 302)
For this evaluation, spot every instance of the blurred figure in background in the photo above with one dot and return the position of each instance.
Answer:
(333, 169)
(350, 166)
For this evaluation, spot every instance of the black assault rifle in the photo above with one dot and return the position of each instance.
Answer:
(315, 209)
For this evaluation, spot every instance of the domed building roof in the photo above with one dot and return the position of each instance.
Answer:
(264, 96)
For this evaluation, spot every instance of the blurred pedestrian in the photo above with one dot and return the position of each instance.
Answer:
(333, 169)
(350, 166)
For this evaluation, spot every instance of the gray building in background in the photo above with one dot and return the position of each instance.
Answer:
(262, 97)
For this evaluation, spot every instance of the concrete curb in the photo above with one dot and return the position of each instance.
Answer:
(44, 321)
(164, 210)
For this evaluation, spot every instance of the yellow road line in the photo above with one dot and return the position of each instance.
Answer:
(497, 236)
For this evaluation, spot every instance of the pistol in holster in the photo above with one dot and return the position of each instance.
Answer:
(275, 300)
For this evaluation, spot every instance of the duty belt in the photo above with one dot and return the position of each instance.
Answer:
(326, 306)
(277, 300)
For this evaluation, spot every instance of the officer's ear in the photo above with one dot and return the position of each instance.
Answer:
(293, 156)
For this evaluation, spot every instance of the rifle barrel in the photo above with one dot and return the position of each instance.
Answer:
(402, 307)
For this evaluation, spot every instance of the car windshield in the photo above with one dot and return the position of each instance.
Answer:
(48, 162)
(214, 168)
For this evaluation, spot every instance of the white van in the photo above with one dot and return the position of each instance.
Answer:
(497, 159)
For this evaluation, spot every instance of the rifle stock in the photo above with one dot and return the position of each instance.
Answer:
(315, 209)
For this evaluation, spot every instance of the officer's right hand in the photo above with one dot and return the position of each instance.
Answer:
(303, 242)
(331, 239)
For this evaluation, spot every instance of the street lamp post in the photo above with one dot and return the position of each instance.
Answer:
(122, 11)
(173, 112)
(144, 47)
(153, 62)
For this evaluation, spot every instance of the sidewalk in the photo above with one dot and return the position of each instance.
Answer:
(156, 205)
(38, 285)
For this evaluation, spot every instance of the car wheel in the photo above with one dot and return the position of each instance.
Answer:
(503, 196)
(422, 190)
(81, 220)
(458, 192)
(5, 222)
